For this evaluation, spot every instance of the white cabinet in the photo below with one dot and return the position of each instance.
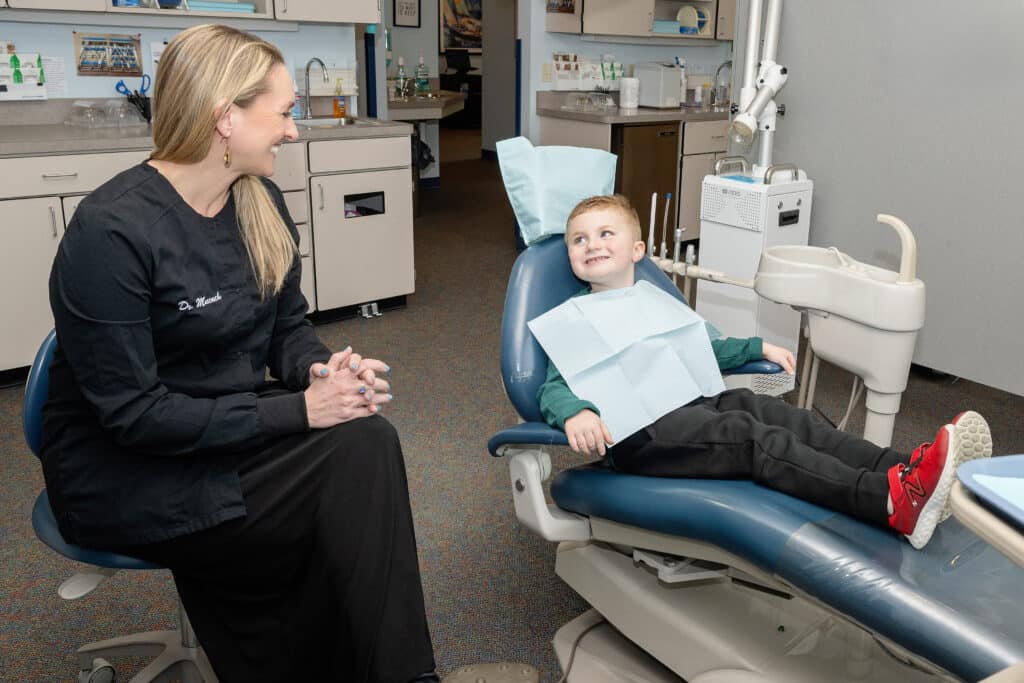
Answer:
(703, 143)
(31, 230)
(330, 11)
(72, 5)
(362, 232)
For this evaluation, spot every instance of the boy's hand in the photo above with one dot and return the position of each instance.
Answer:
(587, 433)
(781, 356)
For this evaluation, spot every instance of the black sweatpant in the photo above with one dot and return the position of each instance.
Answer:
(320, 580)
(742, 435)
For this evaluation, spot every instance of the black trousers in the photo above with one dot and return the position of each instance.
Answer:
(320, 580)
(742, 435)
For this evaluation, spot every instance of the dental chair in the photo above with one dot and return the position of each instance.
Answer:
(173, 652)
(713, 581)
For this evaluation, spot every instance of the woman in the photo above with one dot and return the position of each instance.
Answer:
(280, 507)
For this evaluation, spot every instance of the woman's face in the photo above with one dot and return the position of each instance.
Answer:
(259, 129)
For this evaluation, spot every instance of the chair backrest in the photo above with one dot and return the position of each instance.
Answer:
(542, 279)
(37, 388)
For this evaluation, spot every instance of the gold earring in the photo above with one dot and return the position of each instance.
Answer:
(227, 156)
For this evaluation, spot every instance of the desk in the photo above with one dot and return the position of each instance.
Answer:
(418, 110)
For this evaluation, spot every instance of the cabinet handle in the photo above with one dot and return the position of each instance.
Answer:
(60, 174)
(717, 137)
(53, 222)
(321, 188)
(285, 7)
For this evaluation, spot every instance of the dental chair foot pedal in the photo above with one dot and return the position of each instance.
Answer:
(502, 672)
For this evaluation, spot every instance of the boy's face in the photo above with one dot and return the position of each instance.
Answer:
(602, 250)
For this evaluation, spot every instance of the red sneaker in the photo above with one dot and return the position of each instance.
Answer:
(972, 440)
(919, 490)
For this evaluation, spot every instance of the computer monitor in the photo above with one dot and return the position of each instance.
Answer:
(457, 59)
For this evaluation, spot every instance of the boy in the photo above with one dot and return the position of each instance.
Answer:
(739, 434)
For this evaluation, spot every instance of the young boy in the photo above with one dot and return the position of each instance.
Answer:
(739, 434)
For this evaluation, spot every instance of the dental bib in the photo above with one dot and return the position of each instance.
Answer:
(636, 353)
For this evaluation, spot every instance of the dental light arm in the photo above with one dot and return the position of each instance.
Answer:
(762, 81)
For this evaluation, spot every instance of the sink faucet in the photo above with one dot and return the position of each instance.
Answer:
(323, 68)
(714, 84)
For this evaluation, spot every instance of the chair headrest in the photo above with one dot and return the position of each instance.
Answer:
(542, 279)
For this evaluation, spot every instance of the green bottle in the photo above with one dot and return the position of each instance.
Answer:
(41, 79)
(16, 66)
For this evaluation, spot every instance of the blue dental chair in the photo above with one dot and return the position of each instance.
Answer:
(725, 581)
(173, 652)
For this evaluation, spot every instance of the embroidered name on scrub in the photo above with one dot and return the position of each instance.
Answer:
(201, 301)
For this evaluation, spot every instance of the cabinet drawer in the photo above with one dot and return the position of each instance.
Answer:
(290, 167)
(62, 174)
(304, 240)
(702, 137)
(297, 205)
(356, 155)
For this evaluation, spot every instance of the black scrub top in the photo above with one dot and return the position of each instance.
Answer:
(158, 386)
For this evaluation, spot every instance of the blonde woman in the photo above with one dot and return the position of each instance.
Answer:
(280, 507)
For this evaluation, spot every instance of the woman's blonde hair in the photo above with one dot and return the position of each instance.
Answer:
(202, 66)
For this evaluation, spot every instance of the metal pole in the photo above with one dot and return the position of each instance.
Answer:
(749, 86)
(771, 30)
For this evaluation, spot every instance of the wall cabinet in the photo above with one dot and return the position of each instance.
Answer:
(331, 11)
(32, 228)
(638, 17)
(70, 5)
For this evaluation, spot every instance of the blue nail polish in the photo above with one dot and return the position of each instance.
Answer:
(362, 390)
(323, 372)
(387, 368)
(354, 366)
(390, 397)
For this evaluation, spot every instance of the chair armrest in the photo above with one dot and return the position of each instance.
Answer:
(755, 367)
(532, 433)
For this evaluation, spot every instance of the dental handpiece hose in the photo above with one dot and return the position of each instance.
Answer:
(650, 229)
(664, 227)
(675, 255)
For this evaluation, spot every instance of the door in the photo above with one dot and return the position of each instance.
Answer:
(32, 229)
(362, 232)
(329, 11)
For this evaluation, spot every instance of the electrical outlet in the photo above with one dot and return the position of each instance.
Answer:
(546, 72)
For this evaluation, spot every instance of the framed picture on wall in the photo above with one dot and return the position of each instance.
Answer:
(459, 24)
(407, 13)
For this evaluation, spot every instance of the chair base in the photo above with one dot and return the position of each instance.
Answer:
(171, 659)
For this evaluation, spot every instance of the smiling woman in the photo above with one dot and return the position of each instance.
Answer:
(174, 291)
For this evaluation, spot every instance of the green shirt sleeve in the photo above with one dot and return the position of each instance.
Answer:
(556, 400)
(732, 352)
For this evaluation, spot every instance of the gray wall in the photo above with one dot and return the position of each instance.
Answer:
(895, 107)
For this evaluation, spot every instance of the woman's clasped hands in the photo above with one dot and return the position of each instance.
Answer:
(346, 388)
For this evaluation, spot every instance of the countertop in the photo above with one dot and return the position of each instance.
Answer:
(33, 140)
(438, 106)
(641, 115)
(561, 104)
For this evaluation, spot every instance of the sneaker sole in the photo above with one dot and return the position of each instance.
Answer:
(931, 515)
(973, 440)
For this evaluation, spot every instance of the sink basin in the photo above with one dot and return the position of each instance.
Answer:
(334, 123)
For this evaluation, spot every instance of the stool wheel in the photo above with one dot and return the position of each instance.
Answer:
(101, 672)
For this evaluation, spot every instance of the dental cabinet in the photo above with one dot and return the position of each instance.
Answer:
(350, 198)
(653, 19)
(329, 11)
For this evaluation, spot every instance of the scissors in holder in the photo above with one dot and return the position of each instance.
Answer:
(138, 97)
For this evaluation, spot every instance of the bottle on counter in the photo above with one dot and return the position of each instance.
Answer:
(297, 107)
(400, 78)
(422, 76)
(339, 100)
(681, 63)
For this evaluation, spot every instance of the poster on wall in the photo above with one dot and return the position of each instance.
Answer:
(561, 6)
(460, 24)
(108, 54)
(407, 13)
